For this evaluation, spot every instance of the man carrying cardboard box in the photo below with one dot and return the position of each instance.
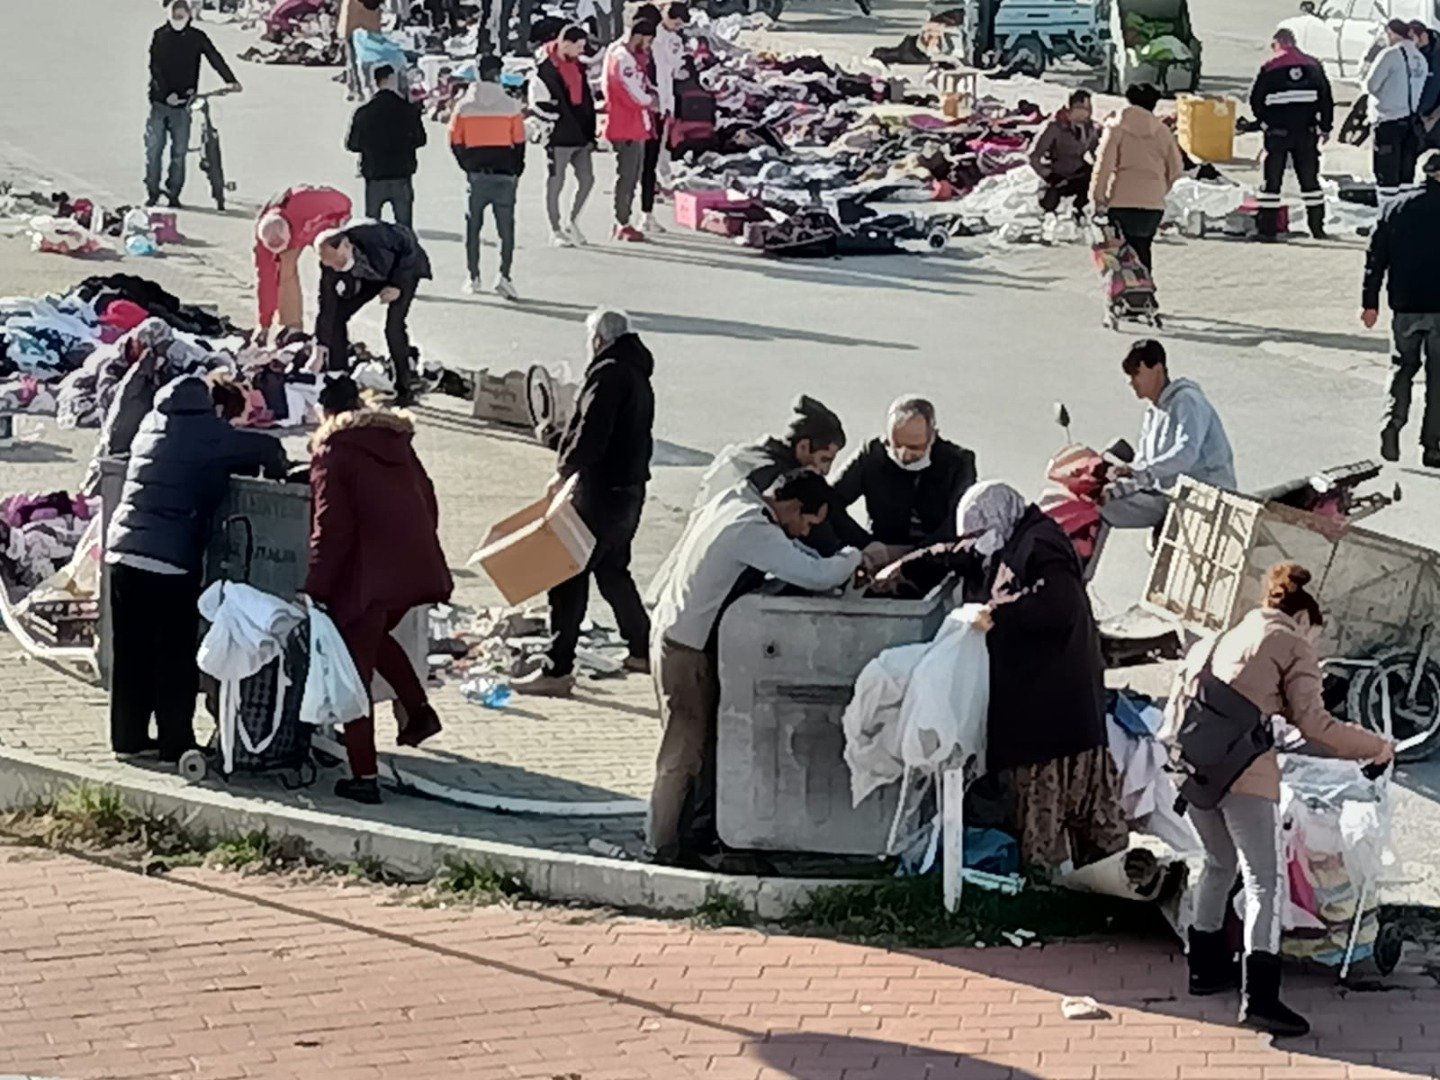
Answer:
(729, 546)
(607, 447)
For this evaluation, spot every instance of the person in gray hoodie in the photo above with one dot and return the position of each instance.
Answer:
(1396, 85)
(1181, 435)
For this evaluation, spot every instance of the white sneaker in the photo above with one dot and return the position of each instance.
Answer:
(576, 236)
(650, 224)
(471, 286)
(505, 290)
(558, 239)
(1048, 227)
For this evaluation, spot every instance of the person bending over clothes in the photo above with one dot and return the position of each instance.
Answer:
(374, 556)
(287, 225)
(1269, 657)
(1046, 723)
(181, 461)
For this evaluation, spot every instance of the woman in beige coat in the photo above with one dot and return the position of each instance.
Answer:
(356, 15)
(1270, 658)
(1139, 162)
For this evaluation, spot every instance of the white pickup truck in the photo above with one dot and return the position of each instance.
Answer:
(1344, 34)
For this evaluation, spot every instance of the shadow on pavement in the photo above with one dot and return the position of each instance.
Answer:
(1249, 336)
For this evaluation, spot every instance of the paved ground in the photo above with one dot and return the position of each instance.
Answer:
(217, 976)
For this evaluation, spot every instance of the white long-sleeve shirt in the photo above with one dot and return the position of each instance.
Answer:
(669, 51)
(733, 533)
(1396, 81)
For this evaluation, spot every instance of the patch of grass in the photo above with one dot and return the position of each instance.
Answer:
(722, 909)
(87, 817)
(910, 913)
(477, 884)
(372, 869)
(255, 852)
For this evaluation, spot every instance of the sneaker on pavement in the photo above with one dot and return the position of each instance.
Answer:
(1390, 443)
(505, 289)
(638, 664)
(629, 234)
(650, 224)
(558, 239)
(542, 684)
(173, 201)
(471, 286)
(576, 236)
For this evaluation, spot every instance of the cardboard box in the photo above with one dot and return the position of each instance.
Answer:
(502, 399)
(690, 206)
(537, 548)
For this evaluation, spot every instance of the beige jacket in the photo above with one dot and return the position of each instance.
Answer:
(1267, 659)
(356, 16)
(1138, 163)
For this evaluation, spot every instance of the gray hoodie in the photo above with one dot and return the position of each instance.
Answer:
(1396, 82)
(1182, 435)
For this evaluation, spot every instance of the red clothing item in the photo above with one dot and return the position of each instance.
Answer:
(630, 100)
(124, 315)
(570, 72)
(308, 211)
(373, 540)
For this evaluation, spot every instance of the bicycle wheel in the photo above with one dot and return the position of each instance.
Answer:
(214, 167)
(1418, 719)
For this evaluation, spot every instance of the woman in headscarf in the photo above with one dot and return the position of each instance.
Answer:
(1047, 686)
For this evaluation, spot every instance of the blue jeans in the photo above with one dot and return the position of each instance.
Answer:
(172, 121)
(496, 191)
(400, 194)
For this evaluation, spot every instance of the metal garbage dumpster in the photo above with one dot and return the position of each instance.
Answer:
(261, 537)
(788, 666)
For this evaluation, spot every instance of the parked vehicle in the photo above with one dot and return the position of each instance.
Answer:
(1345, 35)
(1029, 36)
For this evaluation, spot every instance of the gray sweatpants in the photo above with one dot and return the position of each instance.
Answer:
(562, 158)
(1242, 834)
(1139, 510)
(629, 163)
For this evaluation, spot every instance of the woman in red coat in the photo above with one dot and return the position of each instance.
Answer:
(374, 555)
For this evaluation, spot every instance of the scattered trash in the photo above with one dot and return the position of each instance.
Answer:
(1082, 1008)
(1010, 885)
(487, 690)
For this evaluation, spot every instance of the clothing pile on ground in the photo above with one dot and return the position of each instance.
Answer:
(59, 224)
(39, 533)
(300, 32)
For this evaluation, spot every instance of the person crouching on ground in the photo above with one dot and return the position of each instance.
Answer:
(181, 462)
(1270, 659)
(1064, 156)
(374, 556)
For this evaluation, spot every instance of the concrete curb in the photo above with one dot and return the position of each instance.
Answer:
(26, 779)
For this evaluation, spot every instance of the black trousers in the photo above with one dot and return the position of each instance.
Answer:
(156, 628)
(332, 329)
(1397, 149)
(1075, 187)
(649, 168)
(1282, 149)
(614, 523)
(1139, 228)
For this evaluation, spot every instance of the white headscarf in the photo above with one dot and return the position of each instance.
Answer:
(992, 509)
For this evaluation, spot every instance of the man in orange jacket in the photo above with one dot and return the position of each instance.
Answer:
(287, 225)
(487, 134)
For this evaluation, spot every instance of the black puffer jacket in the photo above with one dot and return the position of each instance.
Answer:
(610, 438)
(574, 125)
(386, 132)
(180, 467)
(906, 508)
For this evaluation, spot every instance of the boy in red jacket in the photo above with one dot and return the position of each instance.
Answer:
(630, 104)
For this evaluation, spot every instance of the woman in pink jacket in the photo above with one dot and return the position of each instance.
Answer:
(1270, 658)
(288, 224)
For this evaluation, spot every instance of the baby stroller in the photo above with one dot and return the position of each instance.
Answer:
(1129, 288)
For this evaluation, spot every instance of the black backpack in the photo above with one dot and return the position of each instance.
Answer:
(1222, 733)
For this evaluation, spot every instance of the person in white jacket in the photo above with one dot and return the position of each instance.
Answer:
(1395, 84)
(734, 541)
(1181, 435)
(668, 56)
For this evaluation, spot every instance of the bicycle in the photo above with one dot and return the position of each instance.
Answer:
(211, 162)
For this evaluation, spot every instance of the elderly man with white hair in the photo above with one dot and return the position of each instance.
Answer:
(607, 447)
(911, 480)
(287, 225)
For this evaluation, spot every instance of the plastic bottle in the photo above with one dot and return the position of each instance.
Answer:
(486, 690)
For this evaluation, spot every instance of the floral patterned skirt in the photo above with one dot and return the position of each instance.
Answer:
(1068, 810)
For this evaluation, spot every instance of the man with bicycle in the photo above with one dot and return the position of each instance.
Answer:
(175, 54)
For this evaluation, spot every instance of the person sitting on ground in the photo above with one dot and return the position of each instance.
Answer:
(287, 225)
(1046, 722)
(727, 548)
(1269, 657)
(1139, 162)
(1064, 155)
(911, 482)
(1181, 435)
(375, 555)
(181, 461)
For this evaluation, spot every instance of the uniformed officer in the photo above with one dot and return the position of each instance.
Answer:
(1293, 102)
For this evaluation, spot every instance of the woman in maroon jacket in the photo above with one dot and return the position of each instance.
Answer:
(374, 555)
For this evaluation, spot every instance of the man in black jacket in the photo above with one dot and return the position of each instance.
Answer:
(359, 263)
(1404, 250)
(386, 132)
(180, 466)
(912, 483)
(1292, 100)
(560, 95)
(175, 53)
(607, 447)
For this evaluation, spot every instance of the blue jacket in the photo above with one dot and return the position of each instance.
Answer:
(1182, 435)
(180, 467)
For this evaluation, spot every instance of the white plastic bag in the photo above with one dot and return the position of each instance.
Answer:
(946, 703)
(334, 693)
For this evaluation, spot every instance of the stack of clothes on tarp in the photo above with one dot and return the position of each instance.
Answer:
(299, 32)
(826, 161)
(39, 532)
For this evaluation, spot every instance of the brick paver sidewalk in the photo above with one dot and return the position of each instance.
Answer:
(107, 974)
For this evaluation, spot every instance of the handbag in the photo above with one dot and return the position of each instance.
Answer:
(1221, 734)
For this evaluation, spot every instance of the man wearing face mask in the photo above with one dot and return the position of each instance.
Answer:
(367, 260)
(175, 53)
(912, 482)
